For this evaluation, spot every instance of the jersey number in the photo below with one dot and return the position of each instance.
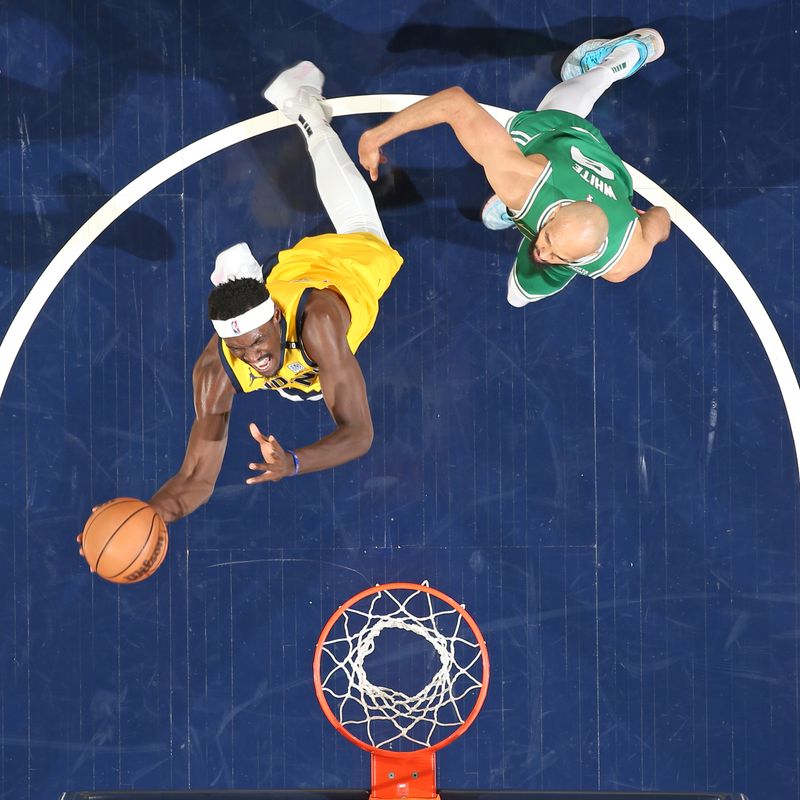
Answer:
(589, 163)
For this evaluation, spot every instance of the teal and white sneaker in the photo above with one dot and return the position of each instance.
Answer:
(494, 214)
(639, 47)
(298, 90)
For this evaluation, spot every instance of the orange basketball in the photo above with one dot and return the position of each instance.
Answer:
(124, 541)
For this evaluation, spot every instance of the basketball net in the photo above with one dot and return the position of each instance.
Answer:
(401, 729)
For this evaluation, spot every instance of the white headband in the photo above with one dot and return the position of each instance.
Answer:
(238, 262)
(244, 323)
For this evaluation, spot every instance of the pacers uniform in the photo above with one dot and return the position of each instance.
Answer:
(580, 166)
(357, 266)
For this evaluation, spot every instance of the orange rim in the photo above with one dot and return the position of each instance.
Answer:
(412, 587)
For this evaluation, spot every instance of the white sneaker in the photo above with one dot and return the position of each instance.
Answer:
(494, 214)
(297, 90)
(641, 47)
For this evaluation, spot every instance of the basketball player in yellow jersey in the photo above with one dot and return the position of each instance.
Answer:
(293, 329)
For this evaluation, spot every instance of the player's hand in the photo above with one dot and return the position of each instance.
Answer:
(370, 155)
(277, 462)
(79, 537)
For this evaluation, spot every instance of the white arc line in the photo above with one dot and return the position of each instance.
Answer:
(383, 104)
(742, 290)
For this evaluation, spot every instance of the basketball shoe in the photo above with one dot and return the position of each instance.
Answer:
(494, 214)
(297, 92)
(625, 55)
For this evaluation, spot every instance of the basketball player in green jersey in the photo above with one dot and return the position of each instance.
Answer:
(554, 175)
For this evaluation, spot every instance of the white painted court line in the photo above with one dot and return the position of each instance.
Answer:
(742, 290)
(377, 104)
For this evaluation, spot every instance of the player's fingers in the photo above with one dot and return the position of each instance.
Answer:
(268, 452)
(265, 477)
(274, 446)
(256, 434)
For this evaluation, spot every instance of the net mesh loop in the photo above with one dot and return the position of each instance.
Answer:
(386, 717)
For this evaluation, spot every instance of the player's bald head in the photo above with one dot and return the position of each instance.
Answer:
(579, 229)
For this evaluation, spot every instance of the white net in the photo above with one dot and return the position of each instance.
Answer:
(401, 669)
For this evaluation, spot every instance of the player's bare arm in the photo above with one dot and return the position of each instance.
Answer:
(653, 228)
(325, 325)
(509, 173)
(194, 482)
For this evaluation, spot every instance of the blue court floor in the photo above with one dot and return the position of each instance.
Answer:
(607, 479)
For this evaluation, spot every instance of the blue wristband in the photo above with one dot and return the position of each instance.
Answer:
(296, 461)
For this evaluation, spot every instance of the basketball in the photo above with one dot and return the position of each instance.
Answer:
(124, 541)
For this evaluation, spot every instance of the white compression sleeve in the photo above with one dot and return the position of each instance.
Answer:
(343, 191)
(578, 95)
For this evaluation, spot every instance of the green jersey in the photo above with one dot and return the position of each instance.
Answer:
(580, 166)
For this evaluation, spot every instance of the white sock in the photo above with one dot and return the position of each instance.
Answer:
(343, 191)
(578, 95)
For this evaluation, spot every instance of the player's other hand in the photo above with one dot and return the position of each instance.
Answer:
(277, 462)
(369, 154)
(79, 537)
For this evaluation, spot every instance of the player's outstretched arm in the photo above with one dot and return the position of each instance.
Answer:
(194, 482)
(325, 327)
(510, 173)
(654, 227)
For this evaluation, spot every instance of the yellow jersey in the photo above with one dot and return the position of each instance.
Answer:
(357, 266)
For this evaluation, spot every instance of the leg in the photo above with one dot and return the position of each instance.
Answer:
(593, 66)
(344, 193)
(578, 95)
(343, 190)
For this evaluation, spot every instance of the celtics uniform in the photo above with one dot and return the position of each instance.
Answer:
(580, 166)
(357, 266)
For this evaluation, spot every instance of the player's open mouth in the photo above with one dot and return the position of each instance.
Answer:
(264, 364)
